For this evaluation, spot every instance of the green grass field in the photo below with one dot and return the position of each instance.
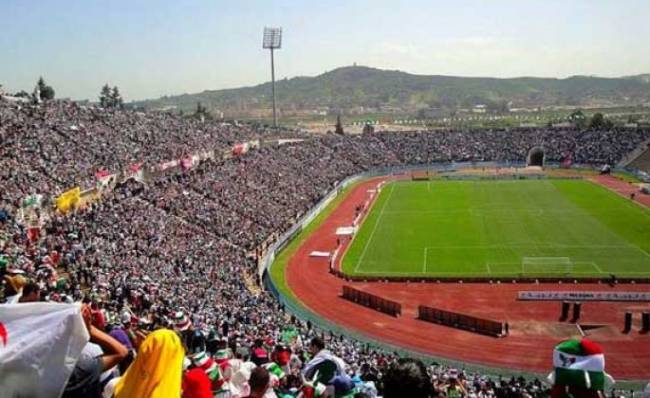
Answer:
(501, 229)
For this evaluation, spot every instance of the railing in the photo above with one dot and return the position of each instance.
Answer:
(372, 301)
(461, 321)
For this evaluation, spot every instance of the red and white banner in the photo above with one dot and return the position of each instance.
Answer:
(135, 171)
(103, 177)
(102, 173)
(167, 165)
(187, 162)
(240, 149)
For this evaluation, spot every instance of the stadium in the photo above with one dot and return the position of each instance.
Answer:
(363, 233)
(346, 238)
(487, 280)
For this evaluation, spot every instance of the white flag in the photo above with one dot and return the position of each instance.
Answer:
(39, 346)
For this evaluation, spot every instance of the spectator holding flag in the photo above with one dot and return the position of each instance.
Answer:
(323, 364)
(39, 343)
(85, 378)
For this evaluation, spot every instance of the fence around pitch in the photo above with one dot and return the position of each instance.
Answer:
(461, 321)
(372, 301)
(515, 278)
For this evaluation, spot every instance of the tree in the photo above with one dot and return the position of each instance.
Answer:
(105, 97)
(597, 121)
(578, 118)
(368, 129)
(339, 127)
(116, 98)
(46, 92)
(201, 111)
(110, 98)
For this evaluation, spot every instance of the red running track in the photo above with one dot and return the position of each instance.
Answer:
(623, 188)
(534, 326)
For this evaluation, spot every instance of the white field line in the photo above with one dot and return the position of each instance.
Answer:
(621, 194)
(628, 202)
(473, 273)
(641, 250)
(364, 216)
(526, 246)
(593, 264)
(374, 229)
(497, 211)
(424, 263)
(487, 265)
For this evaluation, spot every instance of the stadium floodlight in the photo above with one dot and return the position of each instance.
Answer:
(272, 40)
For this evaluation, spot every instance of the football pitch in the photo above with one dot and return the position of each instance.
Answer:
(544, 228)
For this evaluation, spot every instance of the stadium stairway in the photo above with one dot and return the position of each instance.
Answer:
(638, 158)
(252, 287)
(642, 162)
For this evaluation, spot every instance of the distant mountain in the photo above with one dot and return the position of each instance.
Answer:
(645, 78)
(359, 89)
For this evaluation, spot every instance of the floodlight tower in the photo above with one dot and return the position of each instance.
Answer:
(272, 40)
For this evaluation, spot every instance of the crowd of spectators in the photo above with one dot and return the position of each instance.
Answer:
(179, 251)
(57, 145)
(50, 147)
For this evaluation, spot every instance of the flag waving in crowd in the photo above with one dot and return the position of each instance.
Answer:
(39, 346)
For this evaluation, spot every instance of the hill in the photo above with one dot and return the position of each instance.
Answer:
(359, 89)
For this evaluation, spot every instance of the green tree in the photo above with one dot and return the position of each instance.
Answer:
(202, 111)
(339, 127)
(597, 121)
(105, 97)
(116, 98)
(578, 118)
(47, 92)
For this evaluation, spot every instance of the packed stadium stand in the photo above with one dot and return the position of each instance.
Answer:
(174, 248)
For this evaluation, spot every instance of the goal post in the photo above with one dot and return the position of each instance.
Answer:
(546, 266)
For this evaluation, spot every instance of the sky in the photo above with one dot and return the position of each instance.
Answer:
(150, 48)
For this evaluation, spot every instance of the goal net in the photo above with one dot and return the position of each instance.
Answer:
(546, 266)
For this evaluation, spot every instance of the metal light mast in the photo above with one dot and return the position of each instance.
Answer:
(272, 40)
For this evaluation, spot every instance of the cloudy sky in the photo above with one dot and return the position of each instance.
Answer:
(151, 48)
